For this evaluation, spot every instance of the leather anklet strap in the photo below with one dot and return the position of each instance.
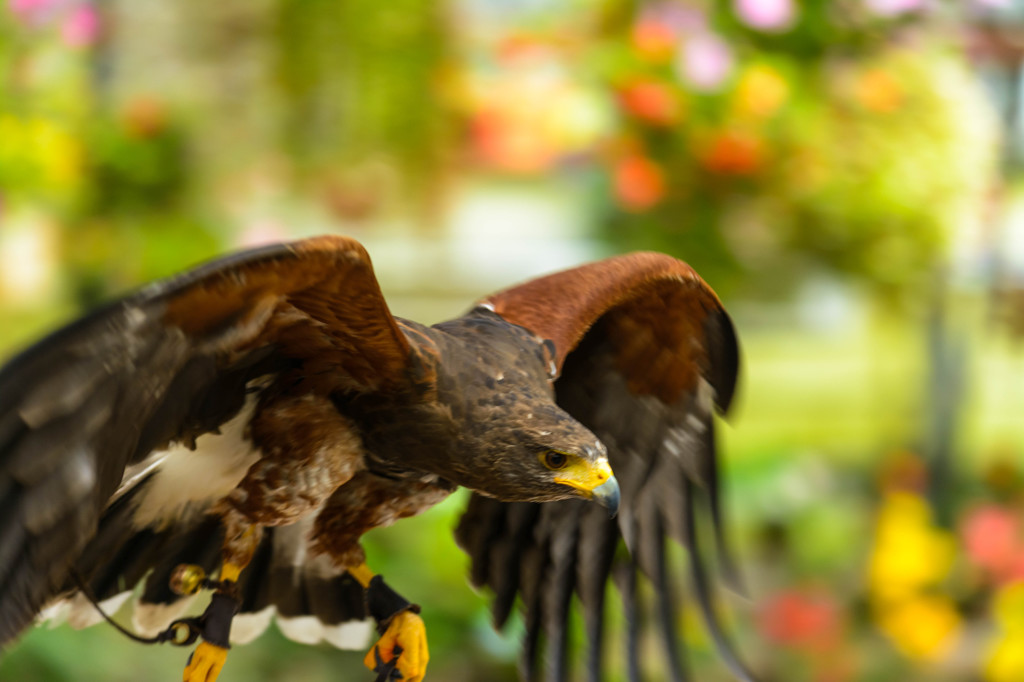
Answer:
(383, 603)
(216, 620)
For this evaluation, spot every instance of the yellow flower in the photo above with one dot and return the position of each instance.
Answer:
(1008, 607)
(40, 153)
(910, 558)
(57, 153)
(761, 91)
(909, 553)
(879, 91)
(924, 627)
(1005, 660)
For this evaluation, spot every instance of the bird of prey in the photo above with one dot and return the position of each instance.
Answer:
(237, 428)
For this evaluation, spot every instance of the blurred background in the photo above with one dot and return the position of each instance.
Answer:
(847, 174)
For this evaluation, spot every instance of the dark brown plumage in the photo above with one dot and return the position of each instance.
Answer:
(266, 410)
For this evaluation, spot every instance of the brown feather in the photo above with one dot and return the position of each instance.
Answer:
(318, 300)
(636, 289)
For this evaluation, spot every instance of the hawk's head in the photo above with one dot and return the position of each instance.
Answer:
(535, 452)
(516, 444)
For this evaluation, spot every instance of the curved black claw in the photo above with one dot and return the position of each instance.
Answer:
(387, 671)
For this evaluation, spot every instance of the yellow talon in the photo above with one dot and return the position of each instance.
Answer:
(230, 572)
(408, 632)
(205, 664)
(362, 574)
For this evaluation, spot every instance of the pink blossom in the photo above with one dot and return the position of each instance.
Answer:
(675, 17)
(34, 11)
(81, 26)
(22, 6)
(766, 15)
(890, 8)
(26, 6)
(705, 61)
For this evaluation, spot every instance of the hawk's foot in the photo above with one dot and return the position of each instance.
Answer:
(215, 626)
(406, 638)
(205, 663)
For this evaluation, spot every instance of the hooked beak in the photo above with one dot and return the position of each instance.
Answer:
(593, 481)
(607, 495)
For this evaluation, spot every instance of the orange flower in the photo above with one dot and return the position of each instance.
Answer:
(144, 117)
(879, 91)
(733, 153)
(652, 102)
(653, 40)
(639, 183)
(508, 140)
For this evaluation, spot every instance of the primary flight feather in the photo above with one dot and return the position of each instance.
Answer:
(252, 418)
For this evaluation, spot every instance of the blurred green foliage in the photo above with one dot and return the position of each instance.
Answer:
(355, 78)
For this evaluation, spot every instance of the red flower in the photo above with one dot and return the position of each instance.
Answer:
(993, 540)
(639, 182)
(801, 619)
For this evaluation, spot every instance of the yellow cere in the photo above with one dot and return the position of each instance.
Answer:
(583, 475)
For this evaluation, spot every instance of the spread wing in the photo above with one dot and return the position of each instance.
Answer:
(167, 364)
(645, 353)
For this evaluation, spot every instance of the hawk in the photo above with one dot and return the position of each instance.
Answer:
(252, 418)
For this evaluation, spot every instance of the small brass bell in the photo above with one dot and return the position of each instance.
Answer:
(187, 579)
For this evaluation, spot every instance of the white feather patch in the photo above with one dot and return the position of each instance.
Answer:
(78, 612)
(248, 626)
(353, 635)
(705, 396)
(301, 629)
(83, 614)
(188, 480)
(54, 613)
(696, 423)
(152, 619)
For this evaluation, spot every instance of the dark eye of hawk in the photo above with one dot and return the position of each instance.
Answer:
(555, 460)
